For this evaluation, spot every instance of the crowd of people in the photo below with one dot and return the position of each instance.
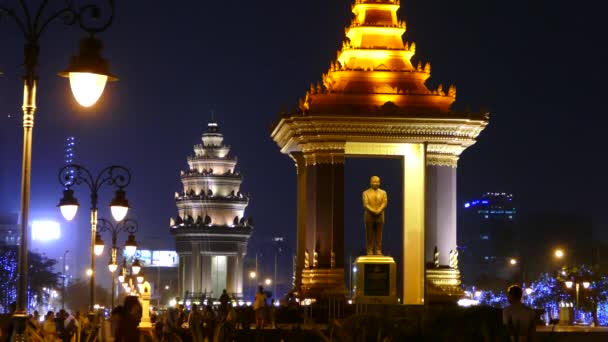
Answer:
(196, 323)
(201, 323)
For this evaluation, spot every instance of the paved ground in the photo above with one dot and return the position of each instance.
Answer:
(566, 333)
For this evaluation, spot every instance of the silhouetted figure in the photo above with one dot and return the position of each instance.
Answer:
(259, 305)
(519, 320)
(224, 301)
(129, 320)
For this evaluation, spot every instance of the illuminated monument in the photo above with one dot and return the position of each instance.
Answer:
(210, 230)
(373, 101)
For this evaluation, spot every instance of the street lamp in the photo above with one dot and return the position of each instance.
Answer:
(131, 245)
(128, 226)
(136, 267)
(73, 174)
(559, 253)
(32, 24)
(268, 281)
(577, 286)
(513, 261)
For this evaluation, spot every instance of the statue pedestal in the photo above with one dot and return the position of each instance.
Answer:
(443, 285)
(376, 280)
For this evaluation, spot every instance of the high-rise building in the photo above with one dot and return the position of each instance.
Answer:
(489, 239)
(211, 231)
(69, 153)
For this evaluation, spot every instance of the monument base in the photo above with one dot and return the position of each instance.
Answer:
(443, 285)
(322, 282)
(375, 280)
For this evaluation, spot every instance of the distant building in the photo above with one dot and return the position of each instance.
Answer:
(160, 270)
(211, 231)
(488, 239)
(9, 229)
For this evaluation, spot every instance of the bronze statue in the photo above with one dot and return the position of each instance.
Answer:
(374, 203)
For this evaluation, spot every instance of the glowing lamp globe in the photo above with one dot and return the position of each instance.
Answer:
(112, 267)
(140, 278)
(268, 281)
(87, 87)
(586, 284)
(68, 204)
(252, 274)
(121, 278)
(136, 267)
(88, 72)
(119, 205)
(568, 284)
(130, 245)
(98, 249)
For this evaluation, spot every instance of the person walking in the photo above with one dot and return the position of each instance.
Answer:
(518, 319)
(259, 305)
(195, 324)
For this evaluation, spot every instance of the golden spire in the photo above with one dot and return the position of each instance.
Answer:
(376, 63)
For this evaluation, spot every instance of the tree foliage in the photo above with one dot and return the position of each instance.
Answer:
(78, 296)
(40, 275)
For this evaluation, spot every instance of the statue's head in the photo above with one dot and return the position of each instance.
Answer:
(374, 182)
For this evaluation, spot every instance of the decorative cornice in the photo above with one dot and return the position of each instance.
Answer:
(442, 160)
(330, 152)
(449, 134)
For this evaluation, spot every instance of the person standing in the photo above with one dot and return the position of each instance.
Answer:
(49, 327)
(259, 304)
(224, 300)
(518, 319)
(195, 323)
(129, 320)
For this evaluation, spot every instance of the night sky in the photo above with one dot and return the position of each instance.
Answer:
(538, 67)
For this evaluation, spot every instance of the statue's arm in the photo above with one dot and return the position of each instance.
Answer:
(367, 206)
(383, 203)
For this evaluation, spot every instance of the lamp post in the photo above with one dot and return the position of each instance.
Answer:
(252, 276)
(133, 280)
(63, 281)
(128, 226)
(570, 283)
(88, 73)
(73, 174)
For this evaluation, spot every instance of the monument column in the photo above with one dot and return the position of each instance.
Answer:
(181, 275)
(206, 273)
(441, 209)
(230, 274)
(442, 274)
(323, 271)
(298, 157)
(238, 269)
(196, 266)
(187, 286)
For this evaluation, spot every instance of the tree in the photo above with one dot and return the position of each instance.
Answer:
(40, 275)
(591, 297)
(78, 296)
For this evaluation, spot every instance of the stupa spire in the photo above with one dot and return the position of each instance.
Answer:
(376, 64)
